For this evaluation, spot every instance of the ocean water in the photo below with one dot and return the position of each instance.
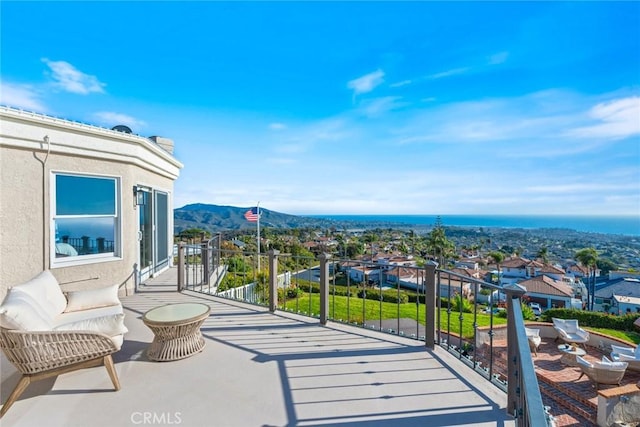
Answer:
(625, 225)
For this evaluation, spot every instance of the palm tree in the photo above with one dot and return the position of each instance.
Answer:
(438, 244)
(497, 257)
(543, 254)
(588, 257)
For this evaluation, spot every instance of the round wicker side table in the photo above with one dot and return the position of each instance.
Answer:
(176, 329)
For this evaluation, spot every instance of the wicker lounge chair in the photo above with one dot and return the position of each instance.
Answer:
(605, 372)
(627, 354)
(570, 331)
(44, 333)
(533, 335)
(43, 354)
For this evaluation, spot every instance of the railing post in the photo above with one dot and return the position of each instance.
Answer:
(514, 294)
(204, 258)
(180, 266)
(273, 279)
(324, 288)
(430, 304)
(218, 250)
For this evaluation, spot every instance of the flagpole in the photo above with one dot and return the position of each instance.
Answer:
(258, 227)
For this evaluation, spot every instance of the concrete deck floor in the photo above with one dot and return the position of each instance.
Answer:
(262, 369)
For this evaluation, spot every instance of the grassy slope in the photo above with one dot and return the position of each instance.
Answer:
(350, 310)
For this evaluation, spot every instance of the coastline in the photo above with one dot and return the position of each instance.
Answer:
(618, 225)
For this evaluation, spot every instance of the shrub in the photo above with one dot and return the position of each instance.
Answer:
(527, 312)
(458, 303)
(593, 319)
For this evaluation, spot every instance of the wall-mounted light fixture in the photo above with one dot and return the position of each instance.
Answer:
(138, 196)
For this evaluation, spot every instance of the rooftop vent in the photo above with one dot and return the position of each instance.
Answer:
(122, 128)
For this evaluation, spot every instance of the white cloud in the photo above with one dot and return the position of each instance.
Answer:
(616, 119)
(378, 106)
(400, 84)
(366, 83)
(277, 126)
(73, 80)
(498, 58)
(449, 73)
(517, 147)
(111, 119)
(21, 96)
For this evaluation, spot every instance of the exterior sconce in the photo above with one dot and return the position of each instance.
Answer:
(138, 196)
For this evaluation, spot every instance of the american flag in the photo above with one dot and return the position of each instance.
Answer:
(252, 215)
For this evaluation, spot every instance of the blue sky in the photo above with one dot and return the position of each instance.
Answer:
(353, 108)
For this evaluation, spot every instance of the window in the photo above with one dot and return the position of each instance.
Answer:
(85, 218)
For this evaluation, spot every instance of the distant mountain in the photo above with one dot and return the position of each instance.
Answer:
(216, 218)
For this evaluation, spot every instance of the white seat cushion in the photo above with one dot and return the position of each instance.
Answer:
(78, 316)
(608, 364)
(110, 325)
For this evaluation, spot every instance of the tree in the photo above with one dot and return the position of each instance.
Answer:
(497, 257)
(588, 257)
(605, 266)
(194, 233)
(543, 254)
(437, 243)
(370, 238)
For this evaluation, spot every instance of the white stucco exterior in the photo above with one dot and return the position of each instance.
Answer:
(33, 148)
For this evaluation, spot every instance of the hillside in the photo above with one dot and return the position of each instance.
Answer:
(216, 218)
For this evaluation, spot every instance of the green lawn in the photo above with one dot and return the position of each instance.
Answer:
(629, 336)
(351, 310)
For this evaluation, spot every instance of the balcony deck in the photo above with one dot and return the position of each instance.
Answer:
(262, 369)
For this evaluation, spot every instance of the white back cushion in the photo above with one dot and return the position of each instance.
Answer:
(571, 326)
(20, 311)
(583, 362)
(45, 290)
(531, 332)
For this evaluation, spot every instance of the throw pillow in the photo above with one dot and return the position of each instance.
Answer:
(92, 298)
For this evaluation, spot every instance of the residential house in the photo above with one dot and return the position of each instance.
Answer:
(549, 292)
(468, 263)
(91, 204)
(620, 295)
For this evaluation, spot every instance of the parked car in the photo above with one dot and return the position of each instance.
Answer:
(495, 310)
(537, 310)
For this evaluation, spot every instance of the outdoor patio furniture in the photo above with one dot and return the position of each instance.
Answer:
(570, 354)
(42, 354)
(44, 334)
(533, 335)
(570, 331)
(626, 354)
(604, 372)
(176, 329)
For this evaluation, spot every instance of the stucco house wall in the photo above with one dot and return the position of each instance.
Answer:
(32, 148)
